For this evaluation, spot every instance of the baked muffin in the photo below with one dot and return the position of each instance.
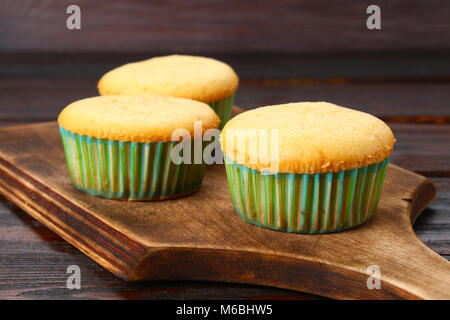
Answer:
(121, 147)
(198, 78)
(311, 167)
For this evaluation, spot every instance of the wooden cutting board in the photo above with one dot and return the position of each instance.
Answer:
(200, 237)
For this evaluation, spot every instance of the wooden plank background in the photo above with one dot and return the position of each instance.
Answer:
(282, 50)
(212, 26)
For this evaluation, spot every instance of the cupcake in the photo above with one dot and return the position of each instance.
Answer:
(197, 78)
(311, 167)
(122, 147)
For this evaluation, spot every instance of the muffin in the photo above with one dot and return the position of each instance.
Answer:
(121, 147)
(197, 78)
(311, 167)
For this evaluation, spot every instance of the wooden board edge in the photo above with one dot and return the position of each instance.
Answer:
(247, 267)
(116, 252)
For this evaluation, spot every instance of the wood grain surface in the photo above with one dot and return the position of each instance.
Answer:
(320, 66)
(34, 259)
(207, 236)
(221, 26)
(41, 99)
(312, 51)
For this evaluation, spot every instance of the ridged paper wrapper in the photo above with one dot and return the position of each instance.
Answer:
(223, 109)
(128, 170)
(306, 203)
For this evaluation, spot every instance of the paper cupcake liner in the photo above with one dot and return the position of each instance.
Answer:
(128, 170)
(306, 203)
(223, 109)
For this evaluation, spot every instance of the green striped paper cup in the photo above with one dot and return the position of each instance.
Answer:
(223, 109)
(306, 203)
(128, 170)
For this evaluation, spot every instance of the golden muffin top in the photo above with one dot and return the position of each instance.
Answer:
(150, 118)
(313, 137)
(191, 77)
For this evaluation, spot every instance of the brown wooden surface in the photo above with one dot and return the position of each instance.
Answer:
(25, 100)
(41, 99)
(208, 241)
(374, 65)
(34, 259)
(222, 26)
(401, 74)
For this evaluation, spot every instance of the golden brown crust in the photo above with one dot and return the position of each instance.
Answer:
(314, 137)
(151, 118)
(191, 77)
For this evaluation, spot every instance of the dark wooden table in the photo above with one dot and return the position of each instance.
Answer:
(283, 51)
(33, 88)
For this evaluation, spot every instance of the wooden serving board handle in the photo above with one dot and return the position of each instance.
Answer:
(408, 268)
(200, 237)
